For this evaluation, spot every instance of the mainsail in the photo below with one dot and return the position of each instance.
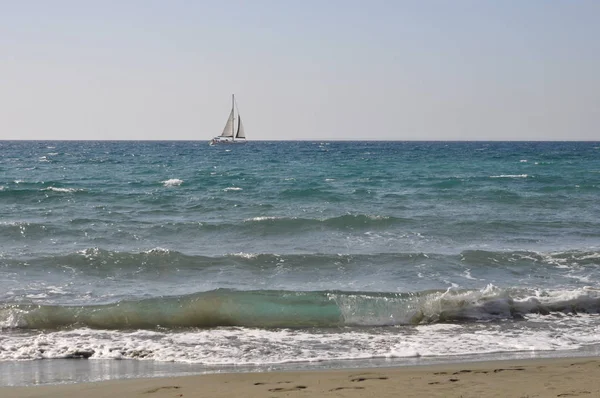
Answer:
(228, 130)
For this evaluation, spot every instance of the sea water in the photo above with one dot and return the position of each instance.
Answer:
(183, 257)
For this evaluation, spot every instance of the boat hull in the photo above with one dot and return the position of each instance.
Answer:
(215, 141)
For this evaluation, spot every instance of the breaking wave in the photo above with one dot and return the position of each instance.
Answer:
(294, 309)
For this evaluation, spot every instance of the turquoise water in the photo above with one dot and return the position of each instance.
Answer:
(297, 252)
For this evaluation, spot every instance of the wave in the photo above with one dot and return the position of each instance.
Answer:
(293, 309)
(34, 190)
(270, 225)
(106, 262)
(571, 258)
(21, 229)
(60, 189)
(348, 221)
(510, 176)
(100, 261)
(265, 226)
(311, 193)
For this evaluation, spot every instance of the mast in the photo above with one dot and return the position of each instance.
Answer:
(233, 111)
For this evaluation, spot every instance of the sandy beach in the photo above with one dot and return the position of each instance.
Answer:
(563, 377)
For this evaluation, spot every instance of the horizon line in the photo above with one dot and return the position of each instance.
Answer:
(299, 140)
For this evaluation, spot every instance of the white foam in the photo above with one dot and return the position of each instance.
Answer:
(57, 189)
(157, 250)
(173, 182)
(582, 278)
(590, 256)
(262, 218)
(244, 346)
(377, 217)
(468, 275)
(244, 255)
(510, 176)
(36, 296)
(232, 189)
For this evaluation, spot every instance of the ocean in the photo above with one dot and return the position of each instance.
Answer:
(129, 259)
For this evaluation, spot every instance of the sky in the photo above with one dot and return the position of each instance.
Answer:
(300, 69)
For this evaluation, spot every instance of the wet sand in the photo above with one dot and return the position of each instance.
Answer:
(561, 377)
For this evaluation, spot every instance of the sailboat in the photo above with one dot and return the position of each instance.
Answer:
(233, 133)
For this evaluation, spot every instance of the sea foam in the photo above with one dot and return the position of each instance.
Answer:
(173, 182)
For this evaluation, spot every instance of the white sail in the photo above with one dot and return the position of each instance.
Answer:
(240, 132)
(232, 134)
(228, 130)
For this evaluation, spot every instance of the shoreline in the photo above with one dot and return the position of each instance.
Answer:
(543, 377)
(47, 372)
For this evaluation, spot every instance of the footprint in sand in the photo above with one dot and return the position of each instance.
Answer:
(260, 383)
(280, 389)
(347, 388)
(462, 371)
(367, 376)
(502, 370)
(573, 393)
(157, 389)
(582, 363)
